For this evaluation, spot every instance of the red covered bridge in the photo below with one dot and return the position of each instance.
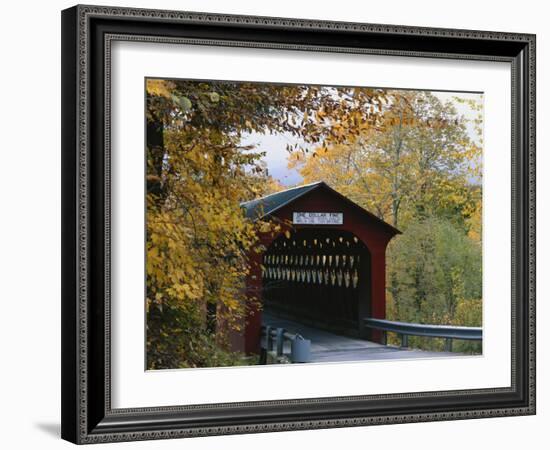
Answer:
(325, 268)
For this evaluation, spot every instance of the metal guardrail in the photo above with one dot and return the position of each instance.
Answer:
(448, 332)
(300, 347)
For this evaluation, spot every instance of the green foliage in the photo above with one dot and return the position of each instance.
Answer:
(468, 313)
(435, 277)
(177, 338)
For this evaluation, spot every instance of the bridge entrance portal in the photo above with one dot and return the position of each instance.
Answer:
(319, 277)
(325, 265)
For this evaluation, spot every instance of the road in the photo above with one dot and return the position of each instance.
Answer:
(331, 347)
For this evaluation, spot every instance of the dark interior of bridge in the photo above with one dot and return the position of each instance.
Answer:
(318, 277)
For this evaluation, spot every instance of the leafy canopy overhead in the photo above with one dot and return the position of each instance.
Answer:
(404, 155)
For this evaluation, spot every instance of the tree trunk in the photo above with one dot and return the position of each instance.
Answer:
(155, 157)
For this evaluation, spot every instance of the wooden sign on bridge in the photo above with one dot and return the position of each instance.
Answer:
(318, 218)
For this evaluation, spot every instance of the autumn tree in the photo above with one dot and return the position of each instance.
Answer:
(419, 168)
(198, 173)
(417, 158)
(404, 155)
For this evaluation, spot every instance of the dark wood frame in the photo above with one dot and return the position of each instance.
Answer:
(87, 32)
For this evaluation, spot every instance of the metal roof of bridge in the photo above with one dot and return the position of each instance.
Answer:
(265, 206)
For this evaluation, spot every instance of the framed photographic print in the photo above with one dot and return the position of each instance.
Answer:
(281, 224)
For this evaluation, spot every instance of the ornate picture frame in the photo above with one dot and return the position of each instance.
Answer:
(88, 415)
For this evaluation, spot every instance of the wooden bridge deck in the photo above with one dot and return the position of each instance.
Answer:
(330, 347)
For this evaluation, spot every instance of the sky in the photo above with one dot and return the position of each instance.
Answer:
(275, 144)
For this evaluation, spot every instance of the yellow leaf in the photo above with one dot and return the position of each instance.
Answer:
(159, 88)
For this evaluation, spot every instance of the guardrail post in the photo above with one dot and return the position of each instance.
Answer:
(279, 341)
(300, 350)
(384, 337)
(404, 340)
(448, 345)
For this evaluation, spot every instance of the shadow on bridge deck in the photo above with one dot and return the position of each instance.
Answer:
(330, 347)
